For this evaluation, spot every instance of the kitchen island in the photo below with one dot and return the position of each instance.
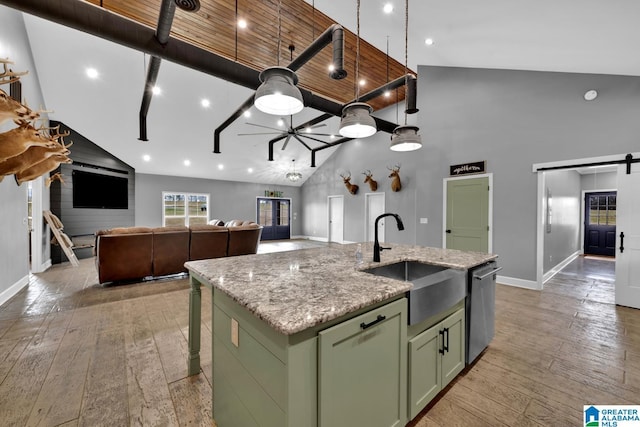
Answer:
(307, 338)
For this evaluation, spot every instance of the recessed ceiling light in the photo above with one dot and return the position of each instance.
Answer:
(388, 8)
(187, 162)
(307, 129)
(280, 122)
(146, 158)
(332, 136)
(250, 170)
(428, 41)
(331, 67)
(242, 23)
(387, 93)
(363, 82)
(220, 166)
(590, 95)
(156, 90)
(92, 73)
(247, 113)
(205, 103)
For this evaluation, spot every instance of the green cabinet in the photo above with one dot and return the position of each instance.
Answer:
(362, 369)
(436, 356)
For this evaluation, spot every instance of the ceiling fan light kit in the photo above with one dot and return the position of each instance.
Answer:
(357, 121)
(278, 93)
(405, 138)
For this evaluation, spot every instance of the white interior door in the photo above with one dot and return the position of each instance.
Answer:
(628, 237)
(374, 206)
(336, 219)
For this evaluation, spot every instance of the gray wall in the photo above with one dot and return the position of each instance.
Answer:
(562, 237)
(228, 199)
(512, 119)
(88, 157)
(14, 244)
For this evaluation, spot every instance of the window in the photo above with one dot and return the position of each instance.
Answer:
(602, 210)
(184, 209)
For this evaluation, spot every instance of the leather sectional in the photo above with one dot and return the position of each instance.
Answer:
(134, 253)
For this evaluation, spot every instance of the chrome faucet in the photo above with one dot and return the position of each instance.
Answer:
(376, 245)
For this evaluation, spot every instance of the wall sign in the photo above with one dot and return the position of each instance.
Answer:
(270, 193)
(468, 168)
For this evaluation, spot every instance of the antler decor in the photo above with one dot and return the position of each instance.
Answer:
(396, 185)
(373, 184)
(28, 152)
(353, 188)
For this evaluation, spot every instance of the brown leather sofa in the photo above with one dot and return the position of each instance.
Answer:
(132, 253)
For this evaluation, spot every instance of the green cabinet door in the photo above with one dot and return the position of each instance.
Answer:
(424, 369)
(453, 357)
(436, 356)
(362, 370)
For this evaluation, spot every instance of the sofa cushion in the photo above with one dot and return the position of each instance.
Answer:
(170, 250)
(244, 239)
(208, 241)
(124, 256)
(124, 230)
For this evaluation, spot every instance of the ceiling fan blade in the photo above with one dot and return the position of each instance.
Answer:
(317, 134)
(302, 142)
(262, 126)
(310, 137)
(286, 141)
(318, 126)
(260, 133)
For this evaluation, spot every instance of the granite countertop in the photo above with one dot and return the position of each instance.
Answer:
(293, 291)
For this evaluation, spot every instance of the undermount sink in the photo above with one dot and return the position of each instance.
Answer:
(435, 288)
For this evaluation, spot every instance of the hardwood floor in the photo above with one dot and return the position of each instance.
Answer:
(76, 353)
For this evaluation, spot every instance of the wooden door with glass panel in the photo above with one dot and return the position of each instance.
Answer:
(600, 224)
(275, 217)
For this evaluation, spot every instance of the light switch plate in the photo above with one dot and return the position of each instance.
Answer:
(234, 332)
(424, 220)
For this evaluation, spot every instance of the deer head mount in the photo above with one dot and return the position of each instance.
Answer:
(373, 184)
(353, 188)
(396, 185)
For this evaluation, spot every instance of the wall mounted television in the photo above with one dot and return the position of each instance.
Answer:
(99, 191)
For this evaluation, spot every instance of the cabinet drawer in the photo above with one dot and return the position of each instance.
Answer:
(362, 369)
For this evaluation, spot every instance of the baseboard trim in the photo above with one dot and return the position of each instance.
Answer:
(317, 239)
(519, 283)
(555, 270)
(14, 289)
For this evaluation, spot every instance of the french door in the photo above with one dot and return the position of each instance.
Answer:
(274, 215)
(600, 223)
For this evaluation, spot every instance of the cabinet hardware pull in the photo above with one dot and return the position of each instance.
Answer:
(448, 231)
(484, 276)
(621, 242)
(379, 319)
(443, 347)
(446, 346)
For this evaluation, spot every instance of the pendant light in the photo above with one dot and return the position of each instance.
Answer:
(293, 176)
(357, 121)
(278, 93)
(406, 138)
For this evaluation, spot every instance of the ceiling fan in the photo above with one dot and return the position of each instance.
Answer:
(297, 133)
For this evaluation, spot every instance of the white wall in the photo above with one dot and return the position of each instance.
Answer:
(14, 242)
(562, 236)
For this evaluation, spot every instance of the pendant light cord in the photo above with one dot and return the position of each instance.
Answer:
(406, 57)
(279, 32)
(358, 51)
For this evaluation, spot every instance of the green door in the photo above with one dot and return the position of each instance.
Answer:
(467, 226)
(362, 370)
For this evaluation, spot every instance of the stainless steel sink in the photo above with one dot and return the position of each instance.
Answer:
(435, 288)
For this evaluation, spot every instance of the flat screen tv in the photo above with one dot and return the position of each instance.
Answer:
(98, 191)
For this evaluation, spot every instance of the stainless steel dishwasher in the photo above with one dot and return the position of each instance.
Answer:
(481, 308)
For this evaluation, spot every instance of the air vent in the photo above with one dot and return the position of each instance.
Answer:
(188, 5)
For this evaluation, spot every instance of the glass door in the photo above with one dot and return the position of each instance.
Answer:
(274, 215)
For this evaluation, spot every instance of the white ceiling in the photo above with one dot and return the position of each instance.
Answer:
(583, 36)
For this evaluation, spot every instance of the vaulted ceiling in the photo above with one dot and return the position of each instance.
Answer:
(567, 36)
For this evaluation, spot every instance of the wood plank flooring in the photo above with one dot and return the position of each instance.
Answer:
(75, 353)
